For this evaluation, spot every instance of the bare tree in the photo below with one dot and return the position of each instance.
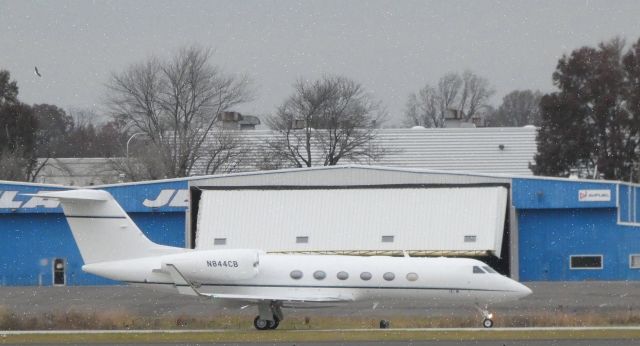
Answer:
(14, 166)
(176, 104)
(225, 153)
(423, 109)
(475, 94)
(147, 165)
(325, 121)
(518, 108)
(466, 94)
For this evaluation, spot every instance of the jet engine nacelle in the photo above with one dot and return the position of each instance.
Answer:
(215, 265)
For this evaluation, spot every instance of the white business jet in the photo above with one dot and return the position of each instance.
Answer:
(112, 246)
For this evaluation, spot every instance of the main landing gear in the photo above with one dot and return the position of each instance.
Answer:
(487, 322)
(261, 324)
(270, 315)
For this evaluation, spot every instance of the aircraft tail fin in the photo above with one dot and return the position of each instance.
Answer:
(102, 229)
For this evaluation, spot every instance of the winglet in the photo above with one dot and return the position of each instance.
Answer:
(183, 285)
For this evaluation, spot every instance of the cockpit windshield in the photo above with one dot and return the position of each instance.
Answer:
(478, 270)
(489, 270)
(483, 270)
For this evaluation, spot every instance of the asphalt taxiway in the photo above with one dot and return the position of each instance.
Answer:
(547, 297)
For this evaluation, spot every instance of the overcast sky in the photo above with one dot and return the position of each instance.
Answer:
(392, 47)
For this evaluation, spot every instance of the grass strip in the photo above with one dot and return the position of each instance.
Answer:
(319, 336)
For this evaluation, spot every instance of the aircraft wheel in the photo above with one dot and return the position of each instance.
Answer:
(274, 324)
(261, 324)
(487, 323)
(384, 324)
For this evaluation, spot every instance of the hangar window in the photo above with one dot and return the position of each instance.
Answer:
(319, 275)
(469, 238)
(412, 276)
(634, 261)
(365, 276)
(343, 275)
(389, 276)
(296, 274)
(220, 241)
(477, 270)
(302, 240)
(586, 262)
(387, 239)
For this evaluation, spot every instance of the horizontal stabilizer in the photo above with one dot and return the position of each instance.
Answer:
(84, 195)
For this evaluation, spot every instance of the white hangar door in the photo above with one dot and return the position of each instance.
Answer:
(440, 219)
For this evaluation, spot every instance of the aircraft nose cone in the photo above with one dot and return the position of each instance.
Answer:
(522, 290)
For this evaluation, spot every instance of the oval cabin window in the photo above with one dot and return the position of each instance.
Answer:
(319, 275)
(389, 276)
(365, 276)
(342, 275)
(296, 274)
(412, 276)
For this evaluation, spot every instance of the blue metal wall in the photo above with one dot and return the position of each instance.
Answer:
(629, 202)
(33, 232)
(555, 223)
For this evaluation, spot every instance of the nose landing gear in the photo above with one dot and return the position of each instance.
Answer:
(487, 322)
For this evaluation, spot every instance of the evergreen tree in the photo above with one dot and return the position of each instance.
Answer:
(17, 133)
(592, 123)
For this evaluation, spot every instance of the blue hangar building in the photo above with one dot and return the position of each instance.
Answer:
(553, 229)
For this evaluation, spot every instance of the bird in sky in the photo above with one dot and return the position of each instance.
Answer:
(36, 71)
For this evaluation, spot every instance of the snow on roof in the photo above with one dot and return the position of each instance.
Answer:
(495, 150)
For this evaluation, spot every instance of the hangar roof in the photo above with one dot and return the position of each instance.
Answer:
(348, 175)
(506, 150)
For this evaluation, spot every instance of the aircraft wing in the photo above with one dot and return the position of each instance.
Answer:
(186, 287)
(289, 299)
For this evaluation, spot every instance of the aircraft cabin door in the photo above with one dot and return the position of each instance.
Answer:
(59, 272)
